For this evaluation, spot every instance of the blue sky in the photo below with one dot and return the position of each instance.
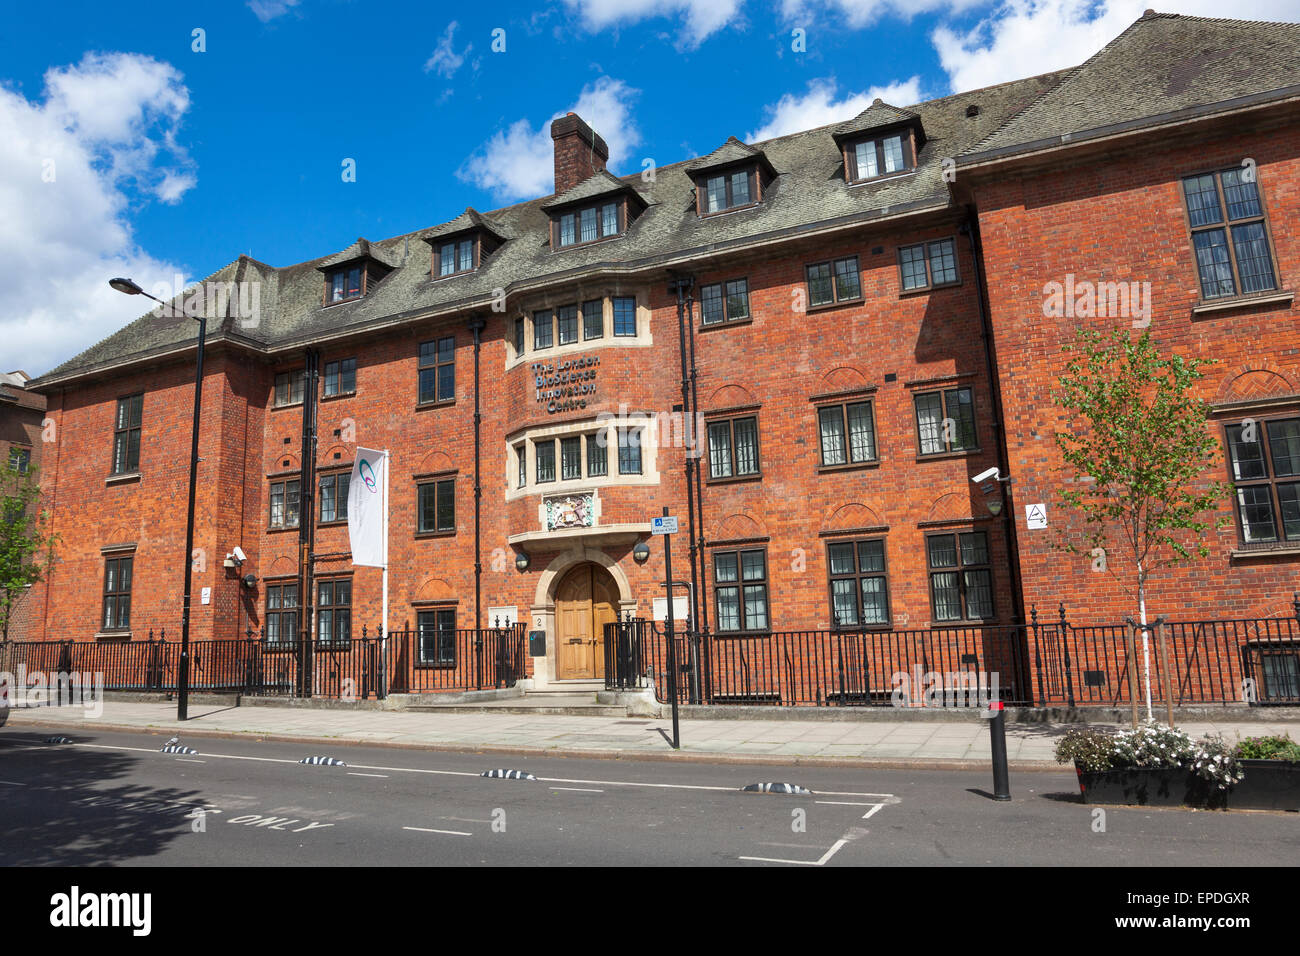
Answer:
(123, 150)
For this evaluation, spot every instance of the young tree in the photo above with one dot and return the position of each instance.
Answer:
(1139, 451)
(26, 544)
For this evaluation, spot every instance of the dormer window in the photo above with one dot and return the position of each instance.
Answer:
(589, 224)
(353, 273)
(462, 245)
(456, 257)
(729, 191)
(345, 284)
(881, 156)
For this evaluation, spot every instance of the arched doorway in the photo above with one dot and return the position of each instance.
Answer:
(585, 601)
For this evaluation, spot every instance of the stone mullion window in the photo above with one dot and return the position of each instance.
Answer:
(1265, 462)
(436, 506)
(740, 590)
(733, 448)
(284, 504)
(847, 433)
(334, 611)
(961, 578)
(934, 412)
(118, 573)
(282, 613)
(436, 634)
(437, 371)
(859, 583)
(830, 283)
(1230, 236)
(340, 377)
(126, 434)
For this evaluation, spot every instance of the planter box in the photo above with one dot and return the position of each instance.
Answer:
(1267, 785)
(1149, 787)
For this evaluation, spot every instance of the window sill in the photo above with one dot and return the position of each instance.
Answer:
(435, 534)
(849, 466)
(937, 456)
(966, 622)
(351, 298)
(113, 636)
(859, 628)
(420, 666)
(281, 408)
(122, 479)
(1246, 554)
(730, 209)
(281, 530)
(725, 324)
(831, 306)
(1228, 304)
(338, 523)
(765, 632)
(335, 398)
(444, 403)
(909, 293)
(883, 177)
(734, 479)
(280, 646)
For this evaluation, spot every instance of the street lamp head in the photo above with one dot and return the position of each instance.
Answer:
(522, 560)
(125, 286)
(641, 553)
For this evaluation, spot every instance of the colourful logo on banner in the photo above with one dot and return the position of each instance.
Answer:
(368, 476)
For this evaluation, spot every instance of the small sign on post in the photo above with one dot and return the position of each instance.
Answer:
(665, 525)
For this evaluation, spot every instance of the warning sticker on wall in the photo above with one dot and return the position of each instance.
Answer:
(1036, 516)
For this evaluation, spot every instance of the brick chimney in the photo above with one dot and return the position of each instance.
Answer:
(579, 152)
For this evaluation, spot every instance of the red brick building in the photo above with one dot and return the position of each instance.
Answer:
(21, 415)
(847, 321)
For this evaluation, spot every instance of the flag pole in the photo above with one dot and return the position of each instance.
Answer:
(387, 468)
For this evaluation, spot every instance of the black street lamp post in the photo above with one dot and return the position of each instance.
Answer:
(183, 676)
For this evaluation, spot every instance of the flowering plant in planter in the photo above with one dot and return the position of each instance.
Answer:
(1151, 746)
(1267, 748)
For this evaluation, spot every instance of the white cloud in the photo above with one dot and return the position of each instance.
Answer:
(1020, 38)
(268, 10)
(105, 134)
(861, 13)
(819, 106)
(518, 162)
(445, 60)
(703, 17)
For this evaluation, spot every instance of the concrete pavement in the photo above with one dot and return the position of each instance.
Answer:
(901, 743)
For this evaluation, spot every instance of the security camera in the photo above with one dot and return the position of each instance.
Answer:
(984, 476)
(241, 557)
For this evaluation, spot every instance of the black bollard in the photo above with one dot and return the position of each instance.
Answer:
(998, 744)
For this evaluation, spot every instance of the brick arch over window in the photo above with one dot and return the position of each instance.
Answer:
(1278, 607)
(950, 507)
(738, 527)
(730, 396)
(1250, 383)
(850, 516)
(281, 566)
(843, 379)
(120, 534)
(435, 461)
(344, 453)
(434, 589)
(285, 461)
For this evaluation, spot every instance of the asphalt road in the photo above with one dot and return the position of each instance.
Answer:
(114, 798)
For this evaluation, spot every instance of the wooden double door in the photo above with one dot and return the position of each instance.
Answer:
(585, 601)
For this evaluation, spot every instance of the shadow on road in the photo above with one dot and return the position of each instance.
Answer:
(68, 811)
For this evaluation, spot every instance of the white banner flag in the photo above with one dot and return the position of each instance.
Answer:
(367, 501)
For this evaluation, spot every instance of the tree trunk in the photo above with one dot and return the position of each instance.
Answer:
(1146, 638)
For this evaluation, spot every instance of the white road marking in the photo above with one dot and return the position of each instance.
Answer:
(447, 832)
(579, 789)
(12, 783)
(821, 862)
(189, 760)
(847, 803)
(872, 812)
(888, 797)
(354, 774)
